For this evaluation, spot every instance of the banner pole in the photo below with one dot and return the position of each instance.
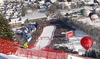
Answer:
(86, 53)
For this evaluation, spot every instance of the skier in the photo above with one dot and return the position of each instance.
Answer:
(20, 19)
(32, 28)
(25, 31)
(9, 20)
(36, 25)
(29, 37)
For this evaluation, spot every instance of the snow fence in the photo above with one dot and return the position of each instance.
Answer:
(13, 48)
(8, 47)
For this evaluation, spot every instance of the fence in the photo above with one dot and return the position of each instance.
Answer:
(35, 54)
(10, 47)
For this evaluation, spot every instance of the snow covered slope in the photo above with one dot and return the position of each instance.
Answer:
(74, 42)
(3, 56)
(88, 21)
(46, 37)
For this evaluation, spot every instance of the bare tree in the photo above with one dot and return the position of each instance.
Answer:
(34, 7)
(24, 10)
(53, 8)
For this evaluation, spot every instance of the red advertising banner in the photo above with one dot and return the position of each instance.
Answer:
(69, 34)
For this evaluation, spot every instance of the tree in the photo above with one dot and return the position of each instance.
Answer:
(52, 9)
(24, 11)
(5, 29)
(34, 7)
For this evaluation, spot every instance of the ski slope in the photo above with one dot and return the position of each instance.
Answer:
(46, 37)
(3, 56)
(88, 21)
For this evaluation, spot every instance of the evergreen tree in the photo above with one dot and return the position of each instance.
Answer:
(5, 29)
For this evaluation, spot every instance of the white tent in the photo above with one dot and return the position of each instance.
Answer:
(89, 1)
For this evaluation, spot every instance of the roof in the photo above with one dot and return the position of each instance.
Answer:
(35, 16)
(1, 1)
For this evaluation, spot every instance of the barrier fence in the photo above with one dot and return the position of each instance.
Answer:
(8, 46)
(13, 48)
(33, 54)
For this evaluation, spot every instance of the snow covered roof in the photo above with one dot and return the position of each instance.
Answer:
(13, 21)
(35, 16)
(41, 2)
(1, 1)
(89, 22)
(53, 1)
(29, 11)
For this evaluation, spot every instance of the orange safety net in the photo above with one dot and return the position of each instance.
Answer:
(10, 47)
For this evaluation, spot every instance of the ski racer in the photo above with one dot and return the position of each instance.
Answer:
(25, 31)
(32, 28)
(29, 37)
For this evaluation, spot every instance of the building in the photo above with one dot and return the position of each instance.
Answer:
(1, 1)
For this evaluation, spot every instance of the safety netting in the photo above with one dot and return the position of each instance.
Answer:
(13, 48)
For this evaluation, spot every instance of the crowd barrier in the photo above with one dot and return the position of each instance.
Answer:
(13, 48)
(35, 54)
(8, 46)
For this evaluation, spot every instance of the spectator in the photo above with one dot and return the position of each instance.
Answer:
(9, 20)
(27, 20)
(19, 19)
(36, 25)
